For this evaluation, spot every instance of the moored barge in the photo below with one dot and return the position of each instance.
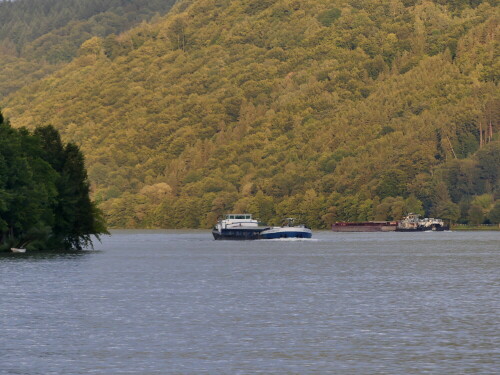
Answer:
(365, 226)
(413, 223)
(410, 223)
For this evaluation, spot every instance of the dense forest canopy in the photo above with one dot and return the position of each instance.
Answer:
(323, 110)
(38, 36)
(44, 192)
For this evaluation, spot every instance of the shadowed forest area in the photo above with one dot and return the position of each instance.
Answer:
(38, 36)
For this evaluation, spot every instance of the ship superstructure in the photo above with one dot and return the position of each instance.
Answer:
(413, 223)
(237, 227)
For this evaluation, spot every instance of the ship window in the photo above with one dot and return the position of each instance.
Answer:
(240, 216)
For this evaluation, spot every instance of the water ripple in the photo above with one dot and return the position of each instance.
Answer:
(177, 302)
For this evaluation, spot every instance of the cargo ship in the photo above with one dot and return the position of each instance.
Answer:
(365, 226)
(288, 230)
(413, 223)
(238, 227)
(244, 227)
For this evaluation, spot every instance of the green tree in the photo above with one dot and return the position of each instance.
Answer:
(413, 205)
(443, 207)
(77, 217)
(489, 165)
(494, 214)
(392, 184)
(27, 188)
(391, 209)
(328, 17)
(44, 192)
(475, 214)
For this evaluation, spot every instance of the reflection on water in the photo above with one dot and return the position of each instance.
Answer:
(177, 302)
(35, 255)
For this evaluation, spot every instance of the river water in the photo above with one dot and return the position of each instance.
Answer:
(178, 302)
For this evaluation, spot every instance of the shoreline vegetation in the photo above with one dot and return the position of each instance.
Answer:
(472, 227)
(44, 193)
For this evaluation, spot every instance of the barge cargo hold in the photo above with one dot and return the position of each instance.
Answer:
(365, 226)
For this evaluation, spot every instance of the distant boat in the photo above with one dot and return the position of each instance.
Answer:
(237, 227)
(288, 230)
(413, 223)
(365, 226)
(17, 250)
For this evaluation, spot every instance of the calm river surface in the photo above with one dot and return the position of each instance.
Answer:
(178, 302)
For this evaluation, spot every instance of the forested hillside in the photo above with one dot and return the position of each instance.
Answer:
(324, 110)
(38, 36)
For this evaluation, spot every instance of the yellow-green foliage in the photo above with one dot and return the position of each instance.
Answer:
(323, 110)
(38, 36)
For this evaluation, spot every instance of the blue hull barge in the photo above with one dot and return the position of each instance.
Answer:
(243, 227)
(288, 230)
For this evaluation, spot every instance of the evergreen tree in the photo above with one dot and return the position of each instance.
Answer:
(44, 192)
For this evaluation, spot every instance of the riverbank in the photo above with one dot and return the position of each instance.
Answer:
(470, 227)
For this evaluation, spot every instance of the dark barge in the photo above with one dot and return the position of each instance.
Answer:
(365, 226)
